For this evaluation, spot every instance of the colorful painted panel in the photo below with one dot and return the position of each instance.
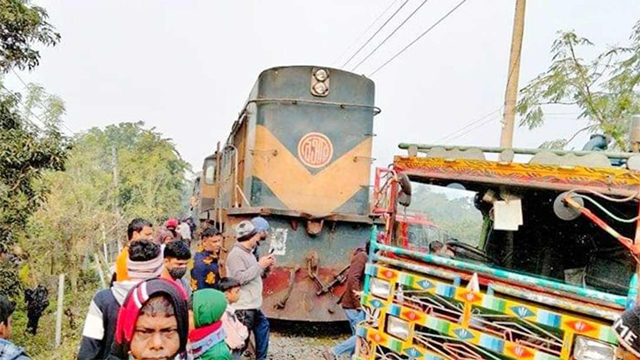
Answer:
(422, 317)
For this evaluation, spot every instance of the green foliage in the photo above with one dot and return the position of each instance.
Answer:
(26, 153)
(21, 26)
(605, 89)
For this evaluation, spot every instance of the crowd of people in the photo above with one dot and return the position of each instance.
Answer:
(153, 310)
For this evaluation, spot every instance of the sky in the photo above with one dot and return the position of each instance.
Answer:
(186, 67)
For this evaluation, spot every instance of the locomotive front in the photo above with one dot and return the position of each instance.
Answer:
(300, 156)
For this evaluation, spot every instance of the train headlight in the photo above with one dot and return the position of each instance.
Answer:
(397, 327)
(320, 88)
(588, 349)
(379, 287)
(321, 75)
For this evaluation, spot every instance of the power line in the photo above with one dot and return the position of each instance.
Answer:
(376, 33)
(418, 38)
(32, 113)
(474, 128)
(390, 35)
(469, 124)
(364, 33)
(11, 93)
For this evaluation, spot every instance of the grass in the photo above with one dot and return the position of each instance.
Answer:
(42, 345)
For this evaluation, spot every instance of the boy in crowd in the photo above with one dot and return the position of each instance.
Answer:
(8, 351)
(144, 262)
(237, 333)
(176, 259)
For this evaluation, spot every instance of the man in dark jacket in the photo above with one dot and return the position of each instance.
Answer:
(350, 302)
(37, 300)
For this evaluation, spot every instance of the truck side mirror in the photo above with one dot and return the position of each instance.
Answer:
(404, 198)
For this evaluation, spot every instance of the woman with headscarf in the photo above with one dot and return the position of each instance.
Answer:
(207, 339)
(153, 322)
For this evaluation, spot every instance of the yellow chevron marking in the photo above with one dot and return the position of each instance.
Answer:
(301, 190)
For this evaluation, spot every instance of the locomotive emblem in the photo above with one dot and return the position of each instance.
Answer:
(315, 150)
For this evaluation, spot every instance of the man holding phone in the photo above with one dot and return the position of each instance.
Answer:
(243, 266)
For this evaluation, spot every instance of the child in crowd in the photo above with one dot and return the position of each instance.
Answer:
(237, 333)
(207, 339)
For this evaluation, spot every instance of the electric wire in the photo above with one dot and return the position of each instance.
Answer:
(32, 113)
(468, 125)
(609, 213)
(363, 33)
(418, 38)
(376, 33)
(390, 35)
(11, 93)
(474, 128)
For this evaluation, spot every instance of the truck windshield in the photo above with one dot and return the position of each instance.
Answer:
(575, 252)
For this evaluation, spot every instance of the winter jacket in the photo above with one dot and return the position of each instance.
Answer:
(243, 266)
(100, 324)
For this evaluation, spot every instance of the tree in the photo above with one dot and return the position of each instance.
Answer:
(26, 150)
(21, 26)
(81, 212)
(605, 89)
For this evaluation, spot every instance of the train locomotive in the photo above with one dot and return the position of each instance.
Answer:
(299, 155)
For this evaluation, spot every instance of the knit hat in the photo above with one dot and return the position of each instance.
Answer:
(260, 224)
(627, 328)
(207, 340)
(171, 224)
(245, 230)
(135, 301)
(144, 269)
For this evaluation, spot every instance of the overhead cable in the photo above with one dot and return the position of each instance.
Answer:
(390, 35)
(418, 38)
(376, 33)
(364, 33)
(469, 124)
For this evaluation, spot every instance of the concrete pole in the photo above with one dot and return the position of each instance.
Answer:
(59, 311)
(511, 95)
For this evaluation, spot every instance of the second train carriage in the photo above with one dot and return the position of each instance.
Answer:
(299, 155)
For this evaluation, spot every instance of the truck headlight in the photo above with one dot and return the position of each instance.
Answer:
(588, 349)
(379, 287)
(397, 327)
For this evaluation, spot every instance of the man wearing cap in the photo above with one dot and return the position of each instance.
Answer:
(627, 329)
(262, 228)
(243, 266)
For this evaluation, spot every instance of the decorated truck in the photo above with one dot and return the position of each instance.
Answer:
(541, 255)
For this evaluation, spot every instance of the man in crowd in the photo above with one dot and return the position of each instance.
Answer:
(350, 301)
(144, 262)
(37, 300)
(153, 322)
(206, 270)
(138, 229)
(243, 266)
(8, 351)
(172, 225)
(176, 259)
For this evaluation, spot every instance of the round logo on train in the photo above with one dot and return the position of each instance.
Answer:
(315, 150)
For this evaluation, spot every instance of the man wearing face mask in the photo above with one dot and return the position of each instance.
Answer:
(176, 259)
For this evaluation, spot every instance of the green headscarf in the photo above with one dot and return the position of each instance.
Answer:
(208, 307)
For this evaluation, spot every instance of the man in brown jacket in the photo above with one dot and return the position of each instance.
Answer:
(350, 302)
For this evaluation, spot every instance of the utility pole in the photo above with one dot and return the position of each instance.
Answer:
(511, 95)
(114, 163)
